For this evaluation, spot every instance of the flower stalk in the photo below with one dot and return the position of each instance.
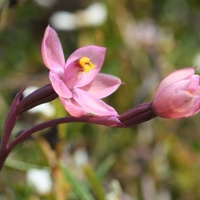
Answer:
(137, 115)
(132, 117)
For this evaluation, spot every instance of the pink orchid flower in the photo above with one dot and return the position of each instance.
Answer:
(178, 95)
(77, 81)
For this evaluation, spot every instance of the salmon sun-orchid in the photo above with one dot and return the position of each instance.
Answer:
(77, 81)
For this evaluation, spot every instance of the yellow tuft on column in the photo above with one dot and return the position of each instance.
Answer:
(86, 64)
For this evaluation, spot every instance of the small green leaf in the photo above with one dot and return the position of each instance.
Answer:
(95, 183)
(79, 189)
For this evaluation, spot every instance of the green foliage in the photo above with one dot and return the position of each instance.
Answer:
(79, 189)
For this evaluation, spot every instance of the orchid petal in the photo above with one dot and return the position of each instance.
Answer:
(172, 89)
(52, 53)
(170, 101)
(91, 104)
(194, 85)
(103, 85)
(174, 77)
(59, 86)
(188, 109)
(96, 54)
(72, 74)
(72, 107)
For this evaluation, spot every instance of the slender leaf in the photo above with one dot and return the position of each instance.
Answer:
(95, 183)
(81, 191)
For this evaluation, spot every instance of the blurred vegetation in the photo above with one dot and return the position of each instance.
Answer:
(145, 40)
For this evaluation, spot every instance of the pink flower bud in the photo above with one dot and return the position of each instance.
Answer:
(178, 95)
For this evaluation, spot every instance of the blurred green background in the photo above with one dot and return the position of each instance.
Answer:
(145, 40)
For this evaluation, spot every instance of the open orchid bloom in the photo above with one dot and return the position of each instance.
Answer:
(178, 95)
(77, 81)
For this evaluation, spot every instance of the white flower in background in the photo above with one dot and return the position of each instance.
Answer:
(45, 109)
(116, 192)
(63, 20)
(94, 15)
(81, 158)
(40, 180)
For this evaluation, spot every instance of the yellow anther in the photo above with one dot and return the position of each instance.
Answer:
(86, 64)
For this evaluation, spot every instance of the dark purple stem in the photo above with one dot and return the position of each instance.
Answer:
(106, 121)
(10, 122)
(138, 115)
(132, 117)
(3, 155)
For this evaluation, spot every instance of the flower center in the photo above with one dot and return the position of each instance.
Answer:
(86, 64)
